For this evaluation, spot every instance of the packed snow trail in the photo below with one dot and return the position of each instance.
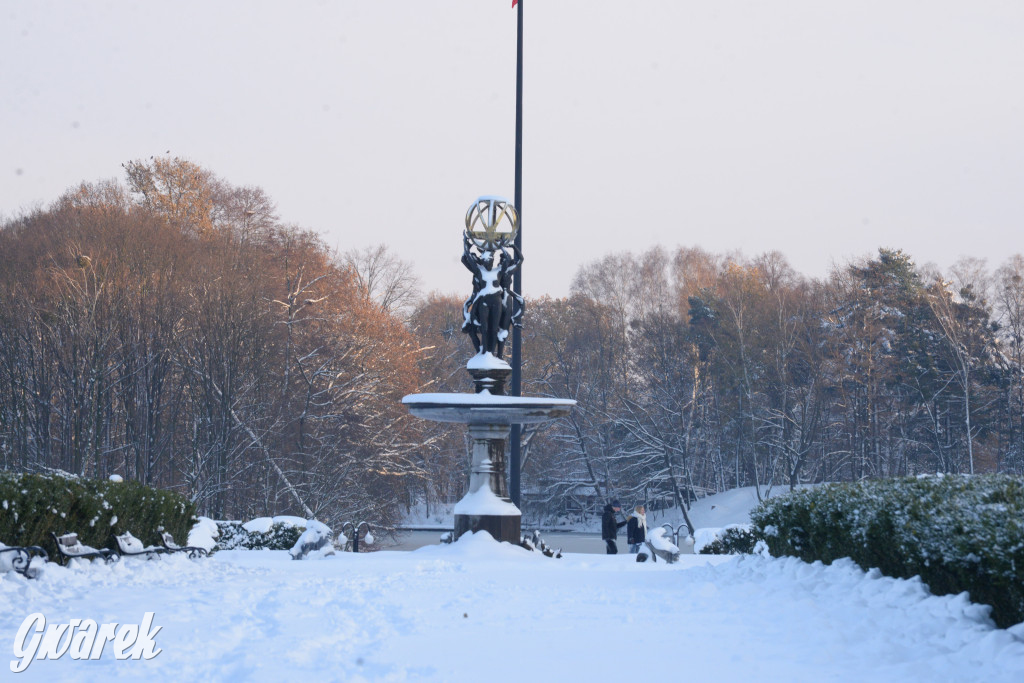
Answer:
(477, 610)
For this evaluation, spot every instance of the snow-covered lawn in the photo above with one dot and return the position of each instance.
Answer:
(479, 611)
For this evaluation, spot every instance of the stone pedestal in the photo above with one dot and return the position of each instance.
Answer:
(490, 379)
(488, 471)
(507, 528)
(487, 467)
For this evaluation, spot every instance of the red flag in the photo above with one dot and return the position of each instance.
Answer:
(514, 2)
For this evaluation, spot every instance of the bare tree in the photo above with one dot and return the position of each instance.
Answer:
(384, 278)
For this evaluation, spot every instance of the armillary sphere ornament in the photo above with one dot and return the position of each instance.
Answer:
(491, 223)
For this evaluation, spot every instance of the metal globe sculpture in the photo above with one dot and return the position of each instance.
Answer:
(491, 223)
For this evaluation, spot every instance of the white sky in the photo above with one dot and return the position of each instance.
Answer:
(821, 129)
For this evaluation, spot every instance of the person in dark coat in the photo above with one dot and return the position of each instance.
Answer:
(610, 527)
(636, 530)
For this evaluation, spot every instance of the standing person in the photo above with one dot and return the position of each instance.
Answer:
(610, 527)
(636, 530)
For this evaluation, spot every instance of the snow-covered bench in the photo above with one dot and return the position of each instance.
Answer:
(19, 559)
(315, 542)
(172, 547)
(661, 546)
(70, 548)
(133, 547)
(533, 541)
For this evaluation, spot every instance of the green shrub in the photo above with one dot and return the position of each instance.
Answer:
(957, 533)
(33, 505)
(231, 535)
(734, 540)
(281, 536)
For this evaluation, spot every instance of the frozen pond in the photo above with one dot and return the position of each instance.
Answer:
(568, 541)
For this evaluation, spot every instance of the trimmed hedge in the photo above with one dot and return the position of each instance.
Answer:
(958, 533)
(733, 540)
(280, 537)
(33, 505)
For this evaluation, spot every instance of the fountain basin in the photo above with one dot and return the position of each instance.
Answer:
(485, 408)
(489, 417)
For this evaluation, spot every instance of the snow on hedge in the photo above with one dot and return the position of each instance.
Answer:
(282, 532)
(703, 538)
(204, 534)
(263, 525)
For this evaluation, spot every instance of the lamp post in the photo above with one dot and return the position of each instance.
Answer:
(515, 455)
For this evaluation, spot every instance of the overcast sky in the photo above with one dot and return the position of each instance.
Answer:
(821, 129)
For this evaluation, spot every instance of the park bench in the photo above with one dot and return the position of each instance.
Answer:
(315, 542)
(133, 547)
(667, 555)
(661, 546)
(70, 548)
(310, 544)
(193, 551)
(548, 551)
(19, 558)
(533, 541)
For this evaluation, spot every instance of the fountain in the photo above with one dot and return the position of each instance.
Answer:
(488, 315)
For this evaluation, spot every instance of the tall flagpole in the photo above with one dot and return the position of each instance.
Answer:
(517, 278)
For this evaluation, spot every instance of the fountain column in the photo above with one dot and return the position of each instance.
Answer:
(488, 465)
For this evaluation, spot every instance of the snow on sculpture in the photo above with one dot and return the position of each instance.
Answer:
(494, 307)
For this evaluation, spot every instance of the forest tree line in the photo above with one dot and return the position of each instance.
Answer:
(172, 329)
(696, 372)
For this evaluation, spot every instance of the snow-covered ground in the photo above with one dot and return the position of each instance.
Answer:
(476, 610)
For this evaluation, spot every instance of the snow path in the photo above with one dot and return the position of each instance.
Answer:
(479, 611)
